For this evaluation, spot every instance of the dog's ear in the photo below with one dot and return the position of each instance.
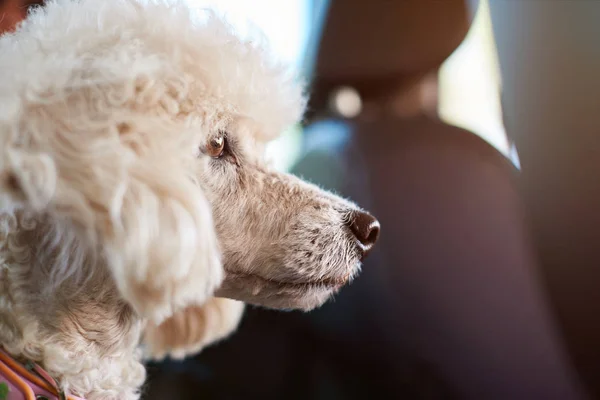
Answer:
(190, 330)
(132, 197)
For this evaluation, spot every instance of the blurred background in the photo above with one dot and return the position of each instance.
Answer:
(467, 81)
(471, 129)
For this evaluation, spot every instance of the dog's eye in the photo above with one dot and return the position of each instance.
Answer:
(216, 146)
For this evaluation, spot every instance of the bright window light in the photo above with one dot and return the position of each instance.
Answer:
(469, 90)
(285, 24)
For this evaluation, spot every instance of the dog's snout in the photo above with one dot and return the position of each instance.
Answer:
(365, 228)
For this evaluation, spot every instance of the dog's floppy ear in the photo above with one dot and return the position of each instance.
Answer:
(190, 330)
(130, 193)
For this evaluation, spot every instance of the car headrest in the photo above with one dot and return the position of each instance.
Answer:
(367, 45)
(388, 37)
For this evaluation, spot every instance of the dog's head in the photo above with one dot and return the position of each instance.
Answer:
(285, 243)
(184, 91)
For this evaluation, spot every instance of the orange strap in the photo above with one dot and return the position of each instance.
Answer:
(17, 381)
(12, 369)
(21, 370)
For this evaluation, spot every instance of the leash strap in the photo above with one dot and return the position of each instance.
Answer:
(21, 373)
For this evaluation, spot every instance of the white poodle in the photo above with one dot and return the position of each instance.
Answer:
(133, 190)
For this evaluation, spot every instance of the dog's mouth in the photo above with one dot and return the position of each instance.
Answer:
(254, 289)
(331, 283)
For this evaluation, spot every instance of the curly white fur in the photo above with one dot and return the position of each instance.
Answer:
(113, 219)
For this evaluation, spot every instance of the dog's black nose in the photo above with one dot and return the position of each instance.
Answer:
(365, 228)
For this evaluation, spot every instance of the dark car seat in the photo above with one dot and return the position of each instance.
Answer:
(454, 282)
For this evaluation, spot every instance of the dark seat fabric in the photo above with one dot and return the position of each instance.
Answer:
(549, 61)
(453, 284)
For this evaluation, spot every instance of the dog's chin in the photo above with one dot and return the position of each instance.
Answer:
(256, 290)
